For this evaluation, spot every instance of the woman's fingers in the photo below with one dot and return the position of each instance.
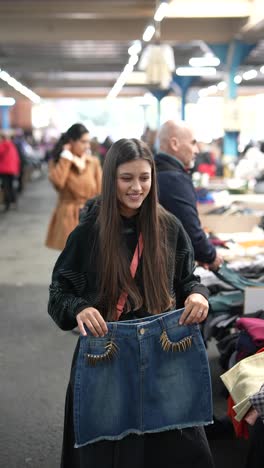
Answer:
(93, 320)
(101, 322)
(81, 327)
(196, 309)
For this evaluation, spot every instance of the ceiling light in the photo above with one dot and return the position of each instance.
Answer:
(195, 71)
(221, 86)
(204, 61)
(237, 79)
(133, 60)
(7, 101)
(135, 48)
(161, 11)
(203, 92)
(149, 32)
(212, 89)
(19, 87)
(128, 68)
(250, 74)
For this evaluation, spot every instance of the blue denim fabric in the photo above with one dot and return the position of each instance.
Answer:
(142, 387)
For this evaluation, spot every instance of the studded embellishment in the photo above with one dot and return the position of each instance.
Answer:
(111, 350)
(178, 346)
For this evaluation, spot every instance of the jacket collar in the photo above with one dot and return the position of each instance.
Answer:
(166, 162)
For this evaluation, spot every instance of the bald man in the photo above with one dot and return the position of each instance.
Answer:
(178, 148)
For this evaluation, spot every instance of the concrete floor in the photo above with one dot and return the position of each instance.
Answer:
(35, 355)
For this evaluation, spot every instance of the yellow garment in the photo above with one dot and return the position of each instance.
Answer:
(243, 380)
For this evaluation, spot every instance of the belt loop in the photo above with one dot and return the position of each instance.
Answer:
(113, 332)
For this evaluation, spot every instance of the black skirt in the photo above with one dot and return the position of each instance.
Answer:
(185, 448)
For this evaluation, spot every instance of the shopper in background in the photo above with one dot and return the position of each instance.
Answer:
(9, 169)
(178, 148)
(104, 147)
(76, 175)
(88, 279)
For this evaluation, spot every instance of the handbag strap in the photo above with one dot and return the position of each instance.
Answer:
(133, 268)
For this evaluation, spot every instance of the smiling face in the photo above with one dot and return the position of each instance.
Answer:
(133, 185)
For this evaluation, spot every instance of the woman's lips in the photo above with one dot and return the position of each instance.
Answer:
(134, 197)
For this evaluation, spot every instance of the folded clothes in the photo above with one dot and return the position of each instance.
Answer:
(235, 279)
(243, 380)
(254, 328)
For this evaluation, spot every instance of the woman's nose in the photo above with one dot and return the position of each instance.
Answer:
(136, 185)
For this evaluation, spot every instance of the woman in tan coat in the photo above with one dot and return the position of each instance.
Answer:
(77, 177)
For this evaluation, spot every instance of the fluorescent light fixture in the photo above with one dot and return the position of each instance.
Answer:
(133, 60)
(161, 11)
(7, 101)
(135, 49)
(149, 33)
(212, 89)
(250, 74)
(128, 68)
(121, 81)
(237, 79)
(221, 86)
(204, 62)
(19, 87)
(203, 92)
(210, 9)
(195, 71)
(261, 69)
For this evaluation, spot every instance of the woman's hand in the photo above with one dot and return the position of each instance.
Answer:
(67, 147)
(93, 320)
(79, 162)
(196, 309)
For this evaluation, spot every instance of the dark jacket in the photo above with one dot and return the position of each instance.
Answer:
(75, 277)
(177, 195)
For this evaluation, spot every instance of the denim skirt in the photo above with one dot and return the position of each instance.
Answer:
(146, 375)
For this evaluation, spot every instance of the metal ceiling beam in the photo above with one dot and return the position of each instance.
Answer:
(26, 31)
(97, 9)
(28, 67)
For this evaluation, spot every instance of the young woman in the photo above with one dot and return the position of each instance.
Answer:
(120, 273)
(76, 176)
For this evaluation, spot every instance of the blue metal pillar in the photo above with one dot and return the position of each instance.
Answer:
(5, 117)
(184, 83)
(232, 55)
(159, 95)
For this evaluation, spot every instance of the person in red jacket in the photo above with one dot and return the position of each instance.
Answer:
(9, 169)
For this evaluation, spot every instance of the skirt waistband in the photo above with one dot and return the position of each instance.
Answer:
(148, 325)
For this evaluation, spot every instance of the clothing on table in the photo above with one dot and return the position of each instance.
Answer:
(235, 279)
(177, 195)
(254, 327)
(257, 401)
(75, 287)
(243, 380)
(74, 188)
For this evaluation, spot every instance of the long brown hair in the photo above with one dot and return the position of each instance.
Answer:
(115, 273)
